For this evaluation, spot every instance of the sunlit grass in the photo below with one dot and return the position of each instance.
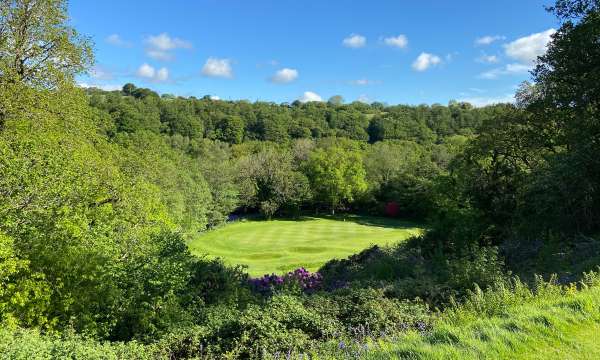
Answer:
(561, 327)
(282, 245)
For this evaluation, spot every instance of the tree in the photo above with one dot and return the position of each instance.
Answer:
(269, 182)
(230, 129)
(564, 105)
(336, 175)
(128, 89)
(37, 47)
(336, 100)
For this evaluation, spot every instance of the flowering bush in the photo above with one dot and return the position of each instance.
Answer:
(300, 278)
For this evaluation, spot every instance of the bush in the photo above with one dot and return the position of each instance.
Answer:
(407, 271)
(31, 345)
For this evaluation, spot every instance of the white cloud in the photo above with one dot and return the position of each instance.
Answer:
(485, 101)
(364, 99)
(364, 82)
(489, 59)
(361, 82)
(477, 90)
(400, 41)
(528, 48)
(162, 74)
(524, 50)
(159, 47)
(487, 40)
(100, 73)
(355, 41)
(105, 87)
(148, 72)
(215, 67)
(160, 55)
(509, 69)
(165, 43)
(309, 96)
(116, 40)
(425, 61)
(215, 98)
(284, 76)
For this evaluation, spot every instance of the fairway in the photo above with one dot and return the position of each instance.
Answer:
(282, 245)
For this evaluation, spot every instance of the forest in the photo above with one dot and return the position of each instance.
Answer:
(103, 191)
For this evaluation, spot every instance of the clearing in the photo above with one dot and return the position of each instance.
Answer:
(283, 245)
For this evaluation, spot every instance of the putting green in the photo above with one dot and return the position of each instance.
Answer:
(283, 245)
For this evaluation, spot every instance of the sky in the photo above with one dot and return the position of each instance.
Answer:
(395, 52)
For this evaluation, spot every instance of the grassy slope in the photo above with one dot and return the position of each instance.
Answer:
(561, 327)
(282, 245)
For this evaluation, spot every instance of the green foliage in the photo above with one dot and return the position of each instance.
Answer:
(408, 270)
(292, 324)
(37, 45)
(269, 182)
(99, 190)
(181, 186)
(30, 344)
(336, 175)
(24, 297)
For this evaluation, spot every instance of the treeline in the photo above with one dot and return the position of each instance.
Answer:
(188, 120)
(235, 156)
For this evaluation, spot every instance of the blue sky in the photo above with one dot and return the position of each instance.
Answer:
(407, 52)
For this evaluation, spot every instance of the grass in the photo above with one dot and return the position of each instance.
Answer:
(283, 245)
(553, 327)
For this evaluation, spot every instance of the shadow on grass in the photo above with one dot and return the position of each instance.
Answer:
(357, 219)
(374, 221)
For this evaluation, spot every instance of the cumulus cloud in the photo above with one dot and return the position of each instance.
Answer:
(524, 50)
(160, 47)
(284, 76)
(488, 39)
(309, 96)
(165, 42)
(100, 73)
(105, 87)
(509, 69)
(355, 41)
(364, 82)
(489, 59)
(215, 67)
(528, 48)
(400, 41)
(160, 55)
(162, 74)
(215, 98)
(425, 61)
(148, 72)
(116, 40)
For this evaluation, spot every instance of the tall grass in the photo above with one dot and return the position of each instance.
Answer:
(510, 321)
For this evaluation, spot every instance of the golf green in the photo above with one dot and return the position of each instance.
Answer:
(282, 245)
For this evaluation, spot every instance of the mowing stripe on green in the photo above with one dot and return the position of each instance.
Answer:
(283, 245)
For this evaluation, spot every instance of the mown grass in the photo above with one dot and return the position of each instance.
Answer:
(283, 245)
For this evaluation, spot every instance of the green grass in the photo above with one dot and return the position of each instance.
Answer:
(558, 327)
(283, 245)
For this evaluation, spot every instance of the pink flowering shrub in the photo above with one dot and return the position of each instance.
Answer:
(300, 278)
